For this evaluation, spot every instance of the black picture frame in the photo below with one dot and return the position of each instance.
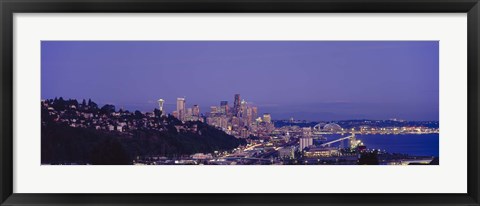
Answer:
(9, 7)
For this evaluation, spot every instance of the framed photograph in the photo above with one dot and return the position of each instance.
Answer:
(266, 102)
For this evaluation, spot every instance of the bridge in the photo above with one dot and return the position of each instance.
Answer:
(353, 141)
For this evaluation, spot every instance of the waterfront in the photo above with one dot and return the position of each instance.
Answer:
(411, 144)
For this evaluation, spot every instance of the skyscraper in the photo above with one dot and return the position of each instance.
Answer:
(213, 110)
(243, 108)
(181, 108)
(254, 112)
(189, 113)
(236, 105)
(249, 115)
(196, 110)
(224, 107)
(267, 118)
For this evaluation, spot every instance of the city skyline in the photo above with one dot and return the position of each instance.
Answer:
(234, 135)
(313, 80)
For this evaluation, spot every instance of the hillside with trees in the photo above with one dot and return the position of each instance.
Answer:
(82, 133)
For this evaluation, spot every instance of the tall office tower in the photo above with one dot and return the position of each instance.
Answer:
(224, 123)
(305, 142)
(181, 108)
(236, 105)
(254, 112)
(189, 113)
(224, 107)
(267, 118)
(243, 108)
(235, 122)
(249, 116)
(213, 110)
(196, 110)
(160, 105)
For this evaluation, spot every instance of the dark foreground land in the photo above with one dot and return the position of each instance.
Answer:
(104, 136)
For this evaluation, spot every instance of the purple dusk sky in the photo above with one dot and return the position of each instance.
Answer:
(312, 80)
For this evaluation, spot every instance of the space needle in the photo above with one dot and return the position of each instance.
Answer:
(160, 105)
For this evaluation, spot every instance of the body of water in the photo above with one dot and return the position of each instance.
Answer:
(412, 144)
